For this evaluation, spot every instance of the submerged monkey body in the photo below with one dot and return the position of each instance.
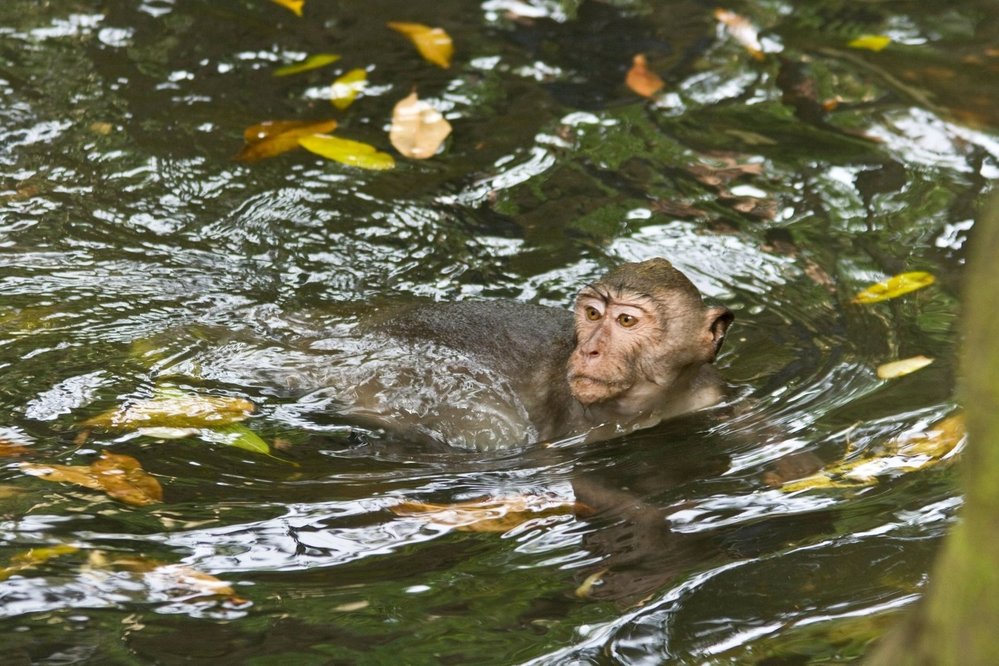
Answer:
(635, 350)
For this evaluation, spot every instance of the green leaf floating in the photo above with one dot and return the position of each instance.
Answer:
(241, 437)
(345, 151)
(310, 63)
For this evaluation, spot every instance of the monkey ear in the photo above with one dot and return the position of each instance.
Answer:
(718, 319)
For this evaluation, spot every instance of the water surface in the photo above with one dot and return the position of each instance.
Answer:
(135, 253)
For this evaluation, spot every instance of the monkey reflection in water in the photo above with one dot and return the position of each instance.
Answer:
(636, 349)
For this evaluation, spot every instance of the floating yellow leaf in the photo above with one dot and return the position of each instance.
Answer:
(33, 557)
(586, 587)
(742, 30)
(418, 129)
(120, 476)
(904, 453)
(294, 5)
(346, 88)
(488, 515)
(641, 80)
(273, 137)
(938, 441)
(895, 286)
(434, 44)
(351, 153)
(310, 63)
(903, 367)
(870, 42)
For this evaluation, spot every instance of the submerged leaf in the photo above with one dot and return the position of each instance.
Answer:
(185, 583)
(586, 587)
(418, 129)
(33, 557)
(241, 437)
(434, 44)
(742, 30)
(273, 137)
(488, 515)
(312, 62)
(345, 151)
(895, 286)
(870, 42)
(819, 481)
(179, 581)
(120, 476)
(9, 449)
(76, 474)
(175, 411)
(294, 5)
(346, 88)
(123, 478)
(641, 80)
(903, 367)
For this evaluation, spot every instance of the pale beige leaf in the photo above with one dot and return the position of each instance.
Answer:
(418, 129)
(742, 30)
(903, 367)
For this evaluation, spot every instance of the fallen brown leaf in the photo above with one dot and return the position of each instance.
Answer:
(120, 476)
(274, 137)
(641, 80)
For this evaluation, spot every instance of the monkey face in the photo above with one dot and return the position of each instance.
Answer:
(611, 334)
(635, 348)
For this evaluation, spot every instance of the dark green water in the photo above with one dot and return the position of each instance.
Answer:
(135, 252)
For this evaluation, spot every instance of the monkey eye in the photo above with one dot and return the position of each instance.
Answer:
(627, 320)
(592, 313)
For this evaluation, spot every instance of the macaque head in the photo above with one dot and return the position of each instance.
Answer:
(642, 331)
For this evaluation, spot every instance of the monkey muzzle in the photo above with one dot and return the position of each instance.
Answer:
(588, 390)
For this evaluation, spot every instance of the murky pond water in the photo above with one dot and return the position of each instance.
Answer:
(136, 254)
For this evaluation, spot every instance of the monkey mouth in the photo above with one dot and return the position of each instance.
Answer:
(588, 389)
